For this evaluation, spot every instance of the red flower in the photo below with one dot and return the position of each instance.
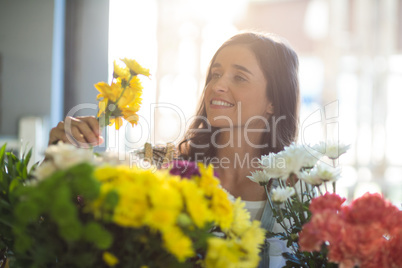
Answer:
(324, 226)
(394, 250)
(367, 233)
(393, 221)
(327, 201)
(368, 208)
(310, 238)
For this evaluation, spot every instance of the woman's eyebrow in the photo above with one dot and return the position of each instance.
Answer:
(215, 65)
(242, 68)
(236, 66)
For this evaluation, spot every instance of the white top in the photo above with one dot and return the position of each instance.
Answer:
(256, 208)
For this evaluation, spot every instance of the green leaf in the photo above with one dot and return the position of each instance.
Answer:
(81, 170)
(22, 242)
(26, 212)
(14, 184)
(2, 154)
(70, 230)
(94, 232)
(26, 158)
(111, 200)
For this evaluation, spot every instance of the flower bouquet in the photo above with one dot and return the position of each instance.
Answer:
(319, 230)
(79, 210)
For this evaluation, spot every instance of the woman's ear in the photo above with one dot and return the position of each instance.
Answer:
(270, 109)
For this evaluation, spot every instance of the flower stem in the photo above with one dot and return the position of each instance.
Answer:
(334, 184)
(273, 209)
(319, 190)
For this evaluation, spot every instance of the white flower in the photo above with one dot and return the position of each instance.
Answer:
(325, 172)
(273, 166)
(268, 161)
(310, 158)
(44, 170)
(65, 156)
(310, 178)
(293, 158)
(332, 149)
(280, 195)
(289, 161)
(113, 159)
(259, 177)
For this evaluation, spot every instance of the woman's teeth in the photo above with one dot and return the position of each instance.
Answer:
(221, 103)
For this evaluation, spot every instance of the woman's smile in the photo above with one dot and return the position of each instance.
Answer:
(220, 104)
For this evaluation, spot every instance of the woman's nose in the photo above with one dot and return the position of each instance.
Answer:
(220, 85)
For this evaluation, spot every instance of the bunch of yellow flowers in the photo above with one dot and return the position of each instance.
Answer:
(121, 99)
(181, 213)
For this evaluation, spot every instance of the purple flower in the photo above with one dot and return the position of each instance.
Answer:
(185, 169)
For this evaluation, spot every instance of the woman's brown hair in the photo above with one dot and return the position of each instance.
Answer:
(279, 63)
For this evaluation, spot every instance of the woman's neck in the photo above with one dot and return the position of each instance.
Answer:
(237, 158)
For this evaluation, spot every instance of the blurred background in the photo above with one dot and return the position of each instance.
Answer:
(52, 52)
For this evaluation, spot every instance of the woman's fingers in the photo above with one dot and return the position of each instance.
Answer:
(58, 134)
(80, 131)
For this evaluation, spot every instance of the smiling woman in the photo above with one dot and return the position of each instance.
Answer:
(249, 108)
(255, 76)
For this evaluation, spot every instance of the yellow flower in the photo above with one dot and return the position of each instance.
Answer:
(164, 196)
(131, 115)
(105, 173)
(161, 219)
(178, 244)
(207, 180)
(135, 67)
(109, 258)
(118, 121)
(222, 253)
(222, 208)
(251, 241)
(122, 72)
(102, 106)
(196, 204)
(241, 218)
(132, 94)
(110, 92)
(124, 92)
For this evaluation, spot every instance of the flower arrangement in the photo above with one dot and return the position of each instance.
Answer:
(318, 230)
(78, 211)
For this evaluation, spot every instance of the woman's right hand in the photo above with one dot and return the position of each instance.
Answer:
(80, 131)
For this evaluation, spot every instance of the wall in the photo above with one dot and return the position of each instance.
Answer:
(26, 47)
(26, 65)
(87, 25)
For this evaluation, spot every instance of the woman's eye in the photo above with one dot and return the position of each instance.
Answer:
(239, 78)
(215, 75)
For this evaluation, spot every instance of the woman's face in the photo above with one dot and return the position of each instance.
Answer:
(236, 94)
